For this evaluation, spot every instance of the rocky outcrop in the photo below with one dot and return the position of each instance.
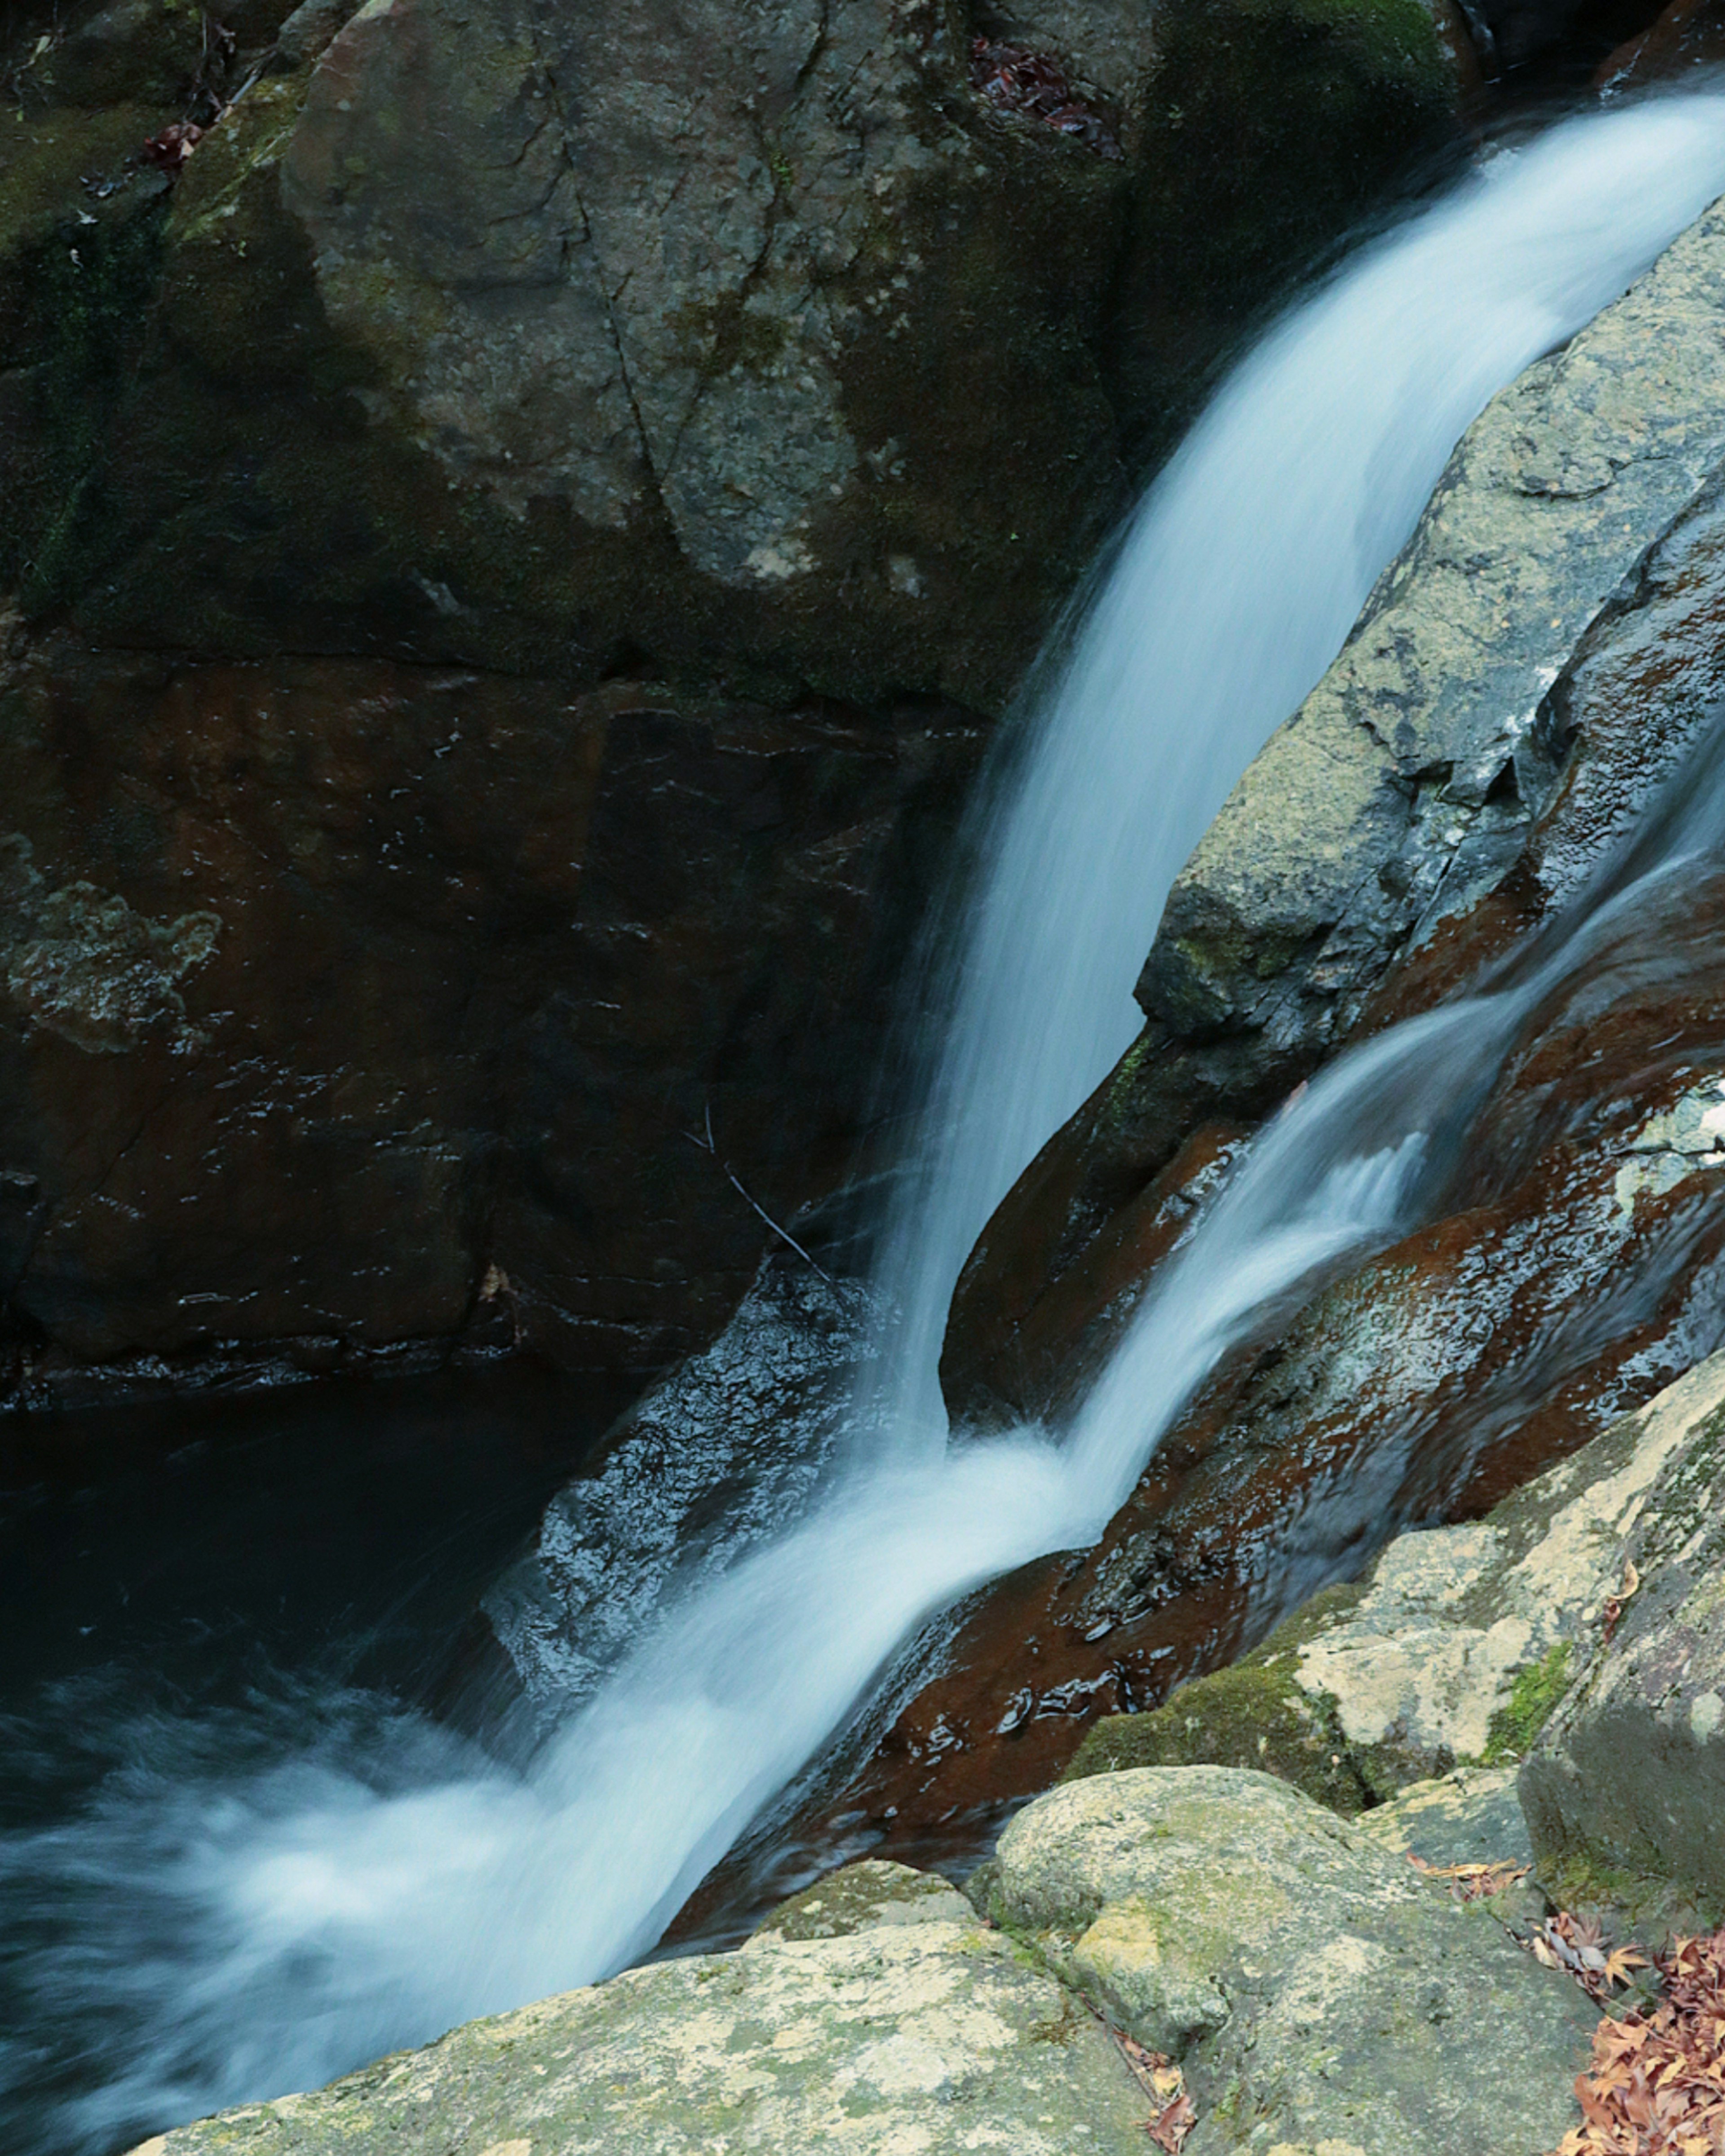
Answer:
(1540, 1686)
(1304, 1991)
(1624, 1791)
(897, 2022)
(349, 1007)
(657, 441)
(1316, 1991)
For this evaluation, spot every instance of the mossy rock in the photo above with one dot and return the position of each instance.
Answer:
(861, 1896)
(1252, 1714)
(925, 358)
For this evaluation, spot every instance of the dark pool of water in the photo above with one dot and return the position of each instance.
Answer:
(351, 1523)
(196, 1596)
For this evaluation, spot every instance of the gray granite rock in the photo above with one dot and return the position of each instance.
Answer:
(1319, 1992)
(1625, 1793)
(1405, 785)
(899, 2039)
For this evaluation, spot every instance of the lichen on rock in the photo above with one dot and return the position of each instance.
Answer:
(1457, 1644)
(80, 963)
(1310, 1984)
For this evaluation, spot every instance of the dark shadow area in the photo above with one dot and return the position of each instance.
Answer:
(354, 1522)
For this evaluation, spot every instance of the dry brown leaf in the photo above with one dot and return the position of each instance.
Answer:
(1169, 2132)
(1657, 2085)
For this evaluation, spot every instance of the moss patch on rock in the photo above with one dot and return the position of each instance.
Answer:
(1251, 1714)
(1536, 1691)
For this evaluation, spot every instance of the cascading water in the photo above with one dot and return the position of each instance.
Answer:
(1233, 586)
(235, 1940)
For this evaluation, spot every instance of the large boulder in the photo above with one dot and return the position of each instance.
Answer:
(1625, 1793)
(758, 341)
(1316, 1991)
(877, 2017)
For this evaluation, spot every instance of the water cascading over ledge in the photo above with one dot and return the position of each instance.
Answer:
(319, 1918)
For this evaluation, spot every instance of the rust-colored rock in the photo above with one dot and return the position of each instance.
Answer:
(1687, 33)
(350, 1004)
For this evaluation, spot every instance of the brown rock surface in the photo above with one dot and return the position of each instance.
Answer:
(356, 1003)
(658, 438)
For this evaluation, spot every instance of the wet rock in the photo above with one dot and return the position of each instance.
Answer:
(1577, 1274)
(720, 1456)
(1453, 1647)
(373, 1005)
(934, 2036)
(1687, 33)
(1405, 785)
(1427, 808)
(1315, 1990)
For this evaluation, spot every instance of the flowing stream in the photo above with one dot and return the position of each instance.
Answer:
(227, 1938)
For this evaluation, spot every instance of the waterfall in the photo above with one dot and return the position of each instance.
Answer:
(1231, 590)
(237, 1938)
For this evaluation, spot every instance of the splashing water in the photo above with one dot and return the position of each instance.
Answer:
(231, 1939)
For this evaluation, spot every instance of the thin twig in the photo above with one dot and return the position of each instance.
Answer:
(708, 1145)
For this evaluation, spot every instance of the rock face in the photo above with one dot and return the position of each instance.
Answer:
(355, 1003)
(904, 2027)
(1321, 1996)
(590, 477)
(1316, 1991)
(1458, 1641)
(1625, 1789)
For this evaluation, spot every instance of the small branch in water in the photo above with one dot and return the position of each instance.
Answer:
(708, 1145)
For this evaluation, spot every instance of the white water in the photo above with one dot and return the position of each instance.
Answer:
(313, 1920)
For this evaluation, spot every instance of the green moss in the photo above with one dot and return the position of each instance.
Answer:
(1536, 1689)
(1251, 1714)
(1584, 1880)
(91, 289)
